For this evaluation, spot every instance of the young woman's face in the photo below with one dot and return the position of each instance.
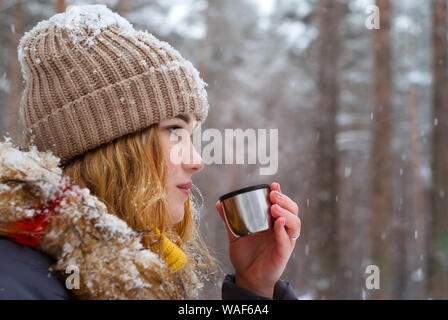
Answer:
(183, 160)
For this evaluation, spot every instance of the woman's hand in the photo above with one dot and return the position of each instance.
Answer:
(259, 259)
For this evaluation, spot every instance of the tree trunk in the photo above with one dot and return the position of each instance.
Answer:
(124, 8)
(324, 206)
(12, 113)
(381, 182)
(438, 241)
(60, 6)
(417, 195)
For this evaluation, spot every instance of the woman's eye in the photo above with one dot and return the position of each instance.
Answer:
(173, 129)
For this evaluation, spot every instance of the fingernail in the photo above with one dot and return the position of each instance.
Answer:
(278, 184)
(278, 195)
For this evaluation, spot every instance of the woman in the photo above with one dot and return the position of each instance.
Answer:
(112, 103)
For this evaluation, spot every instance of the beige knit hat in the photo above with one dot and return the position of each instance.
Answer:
(90, 77)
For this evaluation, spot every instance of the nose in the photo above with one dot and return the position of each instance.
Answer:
(195, 163)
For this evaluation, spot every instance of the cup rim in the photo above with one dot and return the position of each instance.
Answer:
(243, 190)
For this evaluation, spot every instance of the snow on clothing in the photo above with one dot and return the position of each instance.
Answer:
(41, 209)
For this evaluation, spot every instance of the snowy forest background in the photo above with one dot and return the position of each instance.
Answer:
(362, 119)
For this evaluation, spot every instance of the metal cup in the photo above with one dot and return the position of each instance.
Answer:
(247, 210)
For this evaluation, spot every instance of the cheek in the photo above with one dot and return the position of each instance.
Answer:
(171, 164)
(173, 168)
(167, 149)
(172, 154)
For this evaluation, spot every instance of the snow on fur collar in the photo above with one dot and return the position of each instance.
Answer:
(111, 260)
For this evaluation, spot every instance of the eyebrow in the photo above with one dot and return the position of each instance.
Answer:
(183, 117)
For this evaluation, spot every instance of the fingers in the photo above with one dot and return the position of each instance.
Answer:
(284, 201)
(281, 236)
(221, 213)
(292, 222)
(275, 186)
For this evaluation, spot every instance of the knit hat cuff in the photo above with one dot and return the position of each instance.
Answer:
(169, 90)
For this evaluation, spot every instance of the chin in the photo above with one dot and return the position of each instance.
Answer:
(178, 215)
(177, 219)
(177, 212)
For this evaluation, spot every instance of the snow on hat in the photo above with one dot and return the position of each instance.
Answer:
(90, 77)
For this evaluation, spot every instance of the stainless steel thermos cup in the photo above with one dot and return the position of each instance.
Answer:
(247, 210)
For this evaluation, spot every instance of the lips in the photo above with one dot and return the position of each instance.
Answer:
(185, 186)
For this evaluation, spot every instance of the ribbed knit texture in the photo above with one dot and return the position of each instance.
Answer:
(90, 77)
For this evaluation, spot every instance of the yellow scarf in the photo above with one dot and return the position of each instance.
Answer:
(170, 253)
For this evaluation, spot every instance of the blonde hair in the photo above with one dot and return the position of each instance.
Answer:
(129, 176)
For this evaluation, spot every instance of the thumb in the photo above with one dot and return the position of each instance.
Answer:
(230, 235)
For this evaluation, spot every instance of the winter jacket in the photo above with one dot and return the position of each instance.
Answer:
(25, 275)
(230, 291)
(47, 221)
